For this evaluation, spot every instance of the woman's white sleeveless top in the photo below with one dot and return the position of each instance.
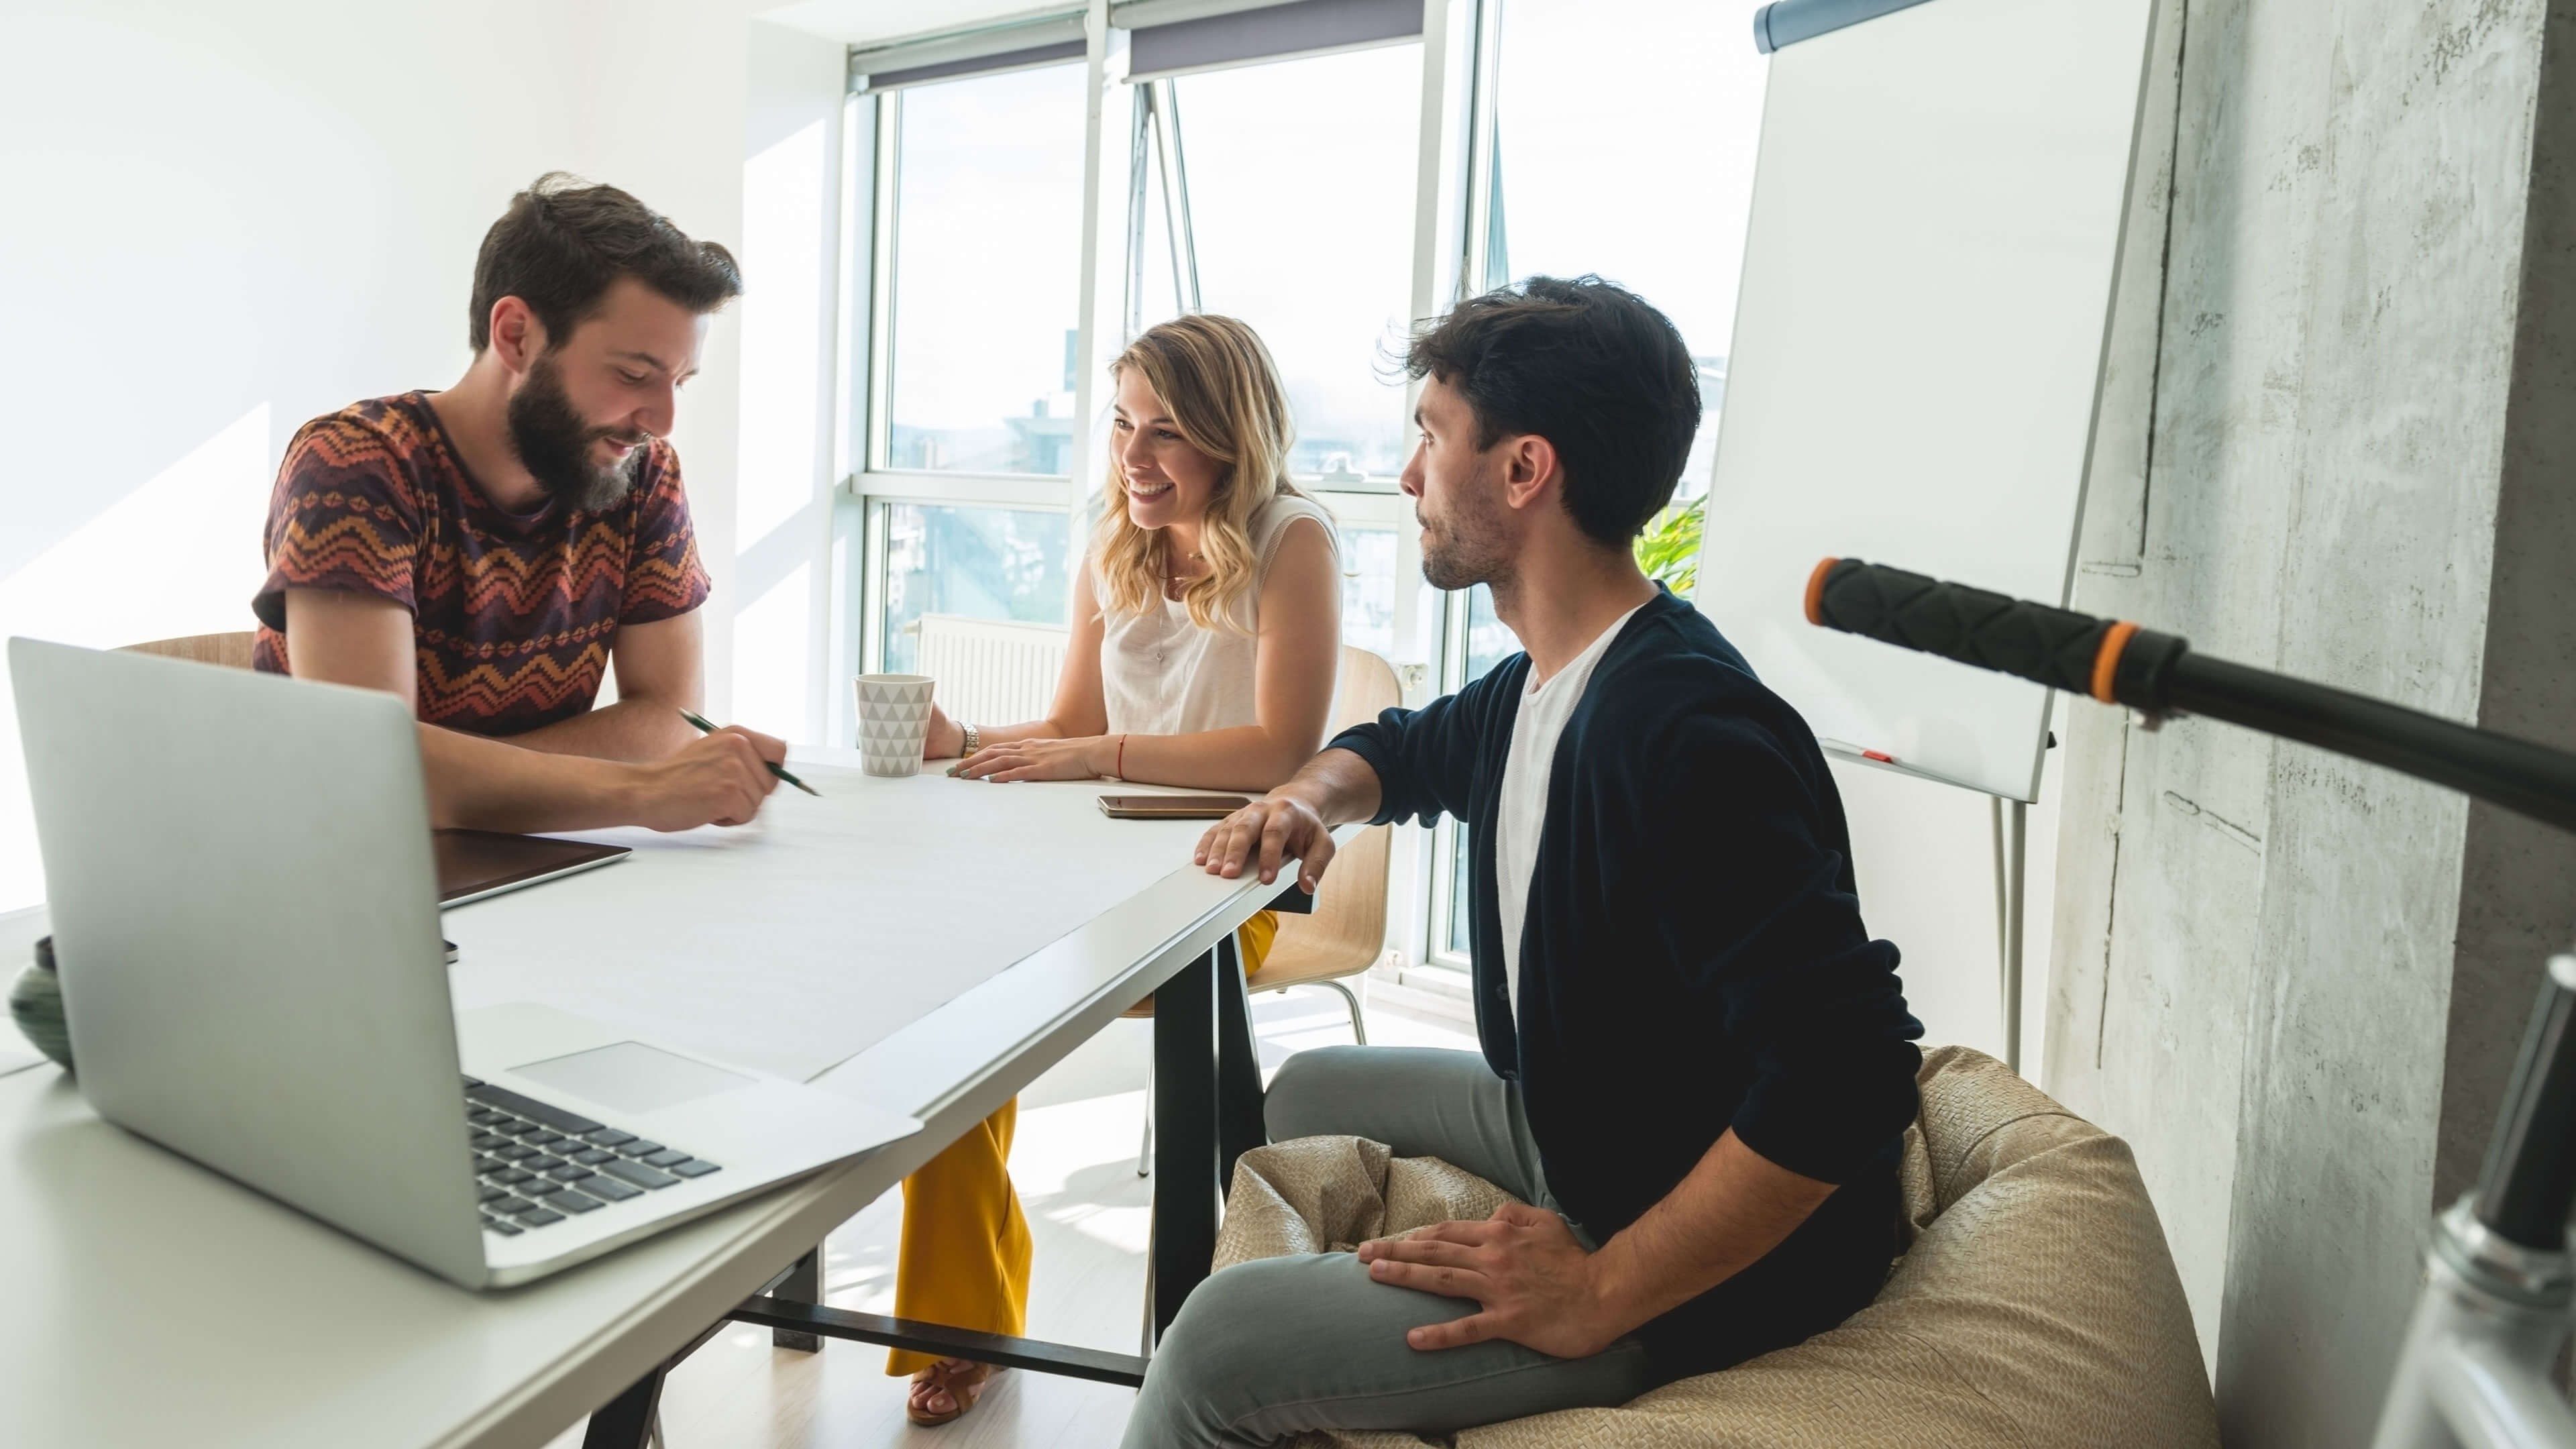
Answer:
(1161, 674)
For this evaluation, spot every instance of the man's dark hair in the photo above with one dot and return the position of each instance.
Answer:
(1591, 367)
(563, 243)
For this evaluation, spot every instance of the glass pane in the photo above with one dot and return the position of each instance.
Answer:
(987, 263)
(1368, 590)
(1488, 641)
(1461, 919)
(1595, 99)
(1488, 644)
(1301, 177)
(984, 563)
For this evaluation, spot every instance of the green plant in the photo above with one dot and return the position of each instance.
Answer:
(1669, 548)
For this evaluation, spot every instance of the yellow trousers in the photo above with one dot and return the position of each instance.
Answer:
(965, 1254)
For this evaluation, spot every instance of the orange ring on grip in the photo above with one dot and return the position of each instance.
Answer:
(1816, 591)
(2107, 662)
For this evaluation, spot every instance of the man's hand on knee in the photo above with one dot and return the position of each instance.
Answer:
(1523, 1266)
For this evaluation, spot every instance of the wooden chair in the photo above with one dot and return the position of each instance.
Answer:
(232, 651)
(1346, 932)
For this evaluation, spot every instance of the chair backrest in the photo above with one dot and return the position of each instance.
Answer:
(232, 651)
(1347, 932)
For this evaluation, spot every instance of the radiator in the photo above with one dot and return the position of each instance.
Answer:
(991, 671)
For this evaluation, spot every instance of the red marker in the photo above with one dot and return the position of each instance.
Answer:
(1879, 755)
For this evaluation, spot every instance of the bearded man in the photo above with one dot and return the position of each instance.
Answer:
(489, 552)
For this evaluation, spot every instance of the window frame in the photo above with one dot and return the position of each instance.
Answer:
(875, 509)
(1459, 47)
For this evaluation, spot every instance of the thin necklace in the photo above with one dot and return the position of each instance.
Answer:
(1172, 575)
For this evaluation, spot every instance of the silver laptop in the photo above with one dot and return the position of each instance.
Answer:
(245, 917)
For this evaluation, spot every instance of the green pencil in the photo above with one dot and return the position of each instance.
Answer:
(707, 726)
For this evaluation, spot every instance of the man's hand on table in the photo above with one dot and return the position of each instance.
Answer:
(719, 779)
(1265, 835)
(1534, 1281)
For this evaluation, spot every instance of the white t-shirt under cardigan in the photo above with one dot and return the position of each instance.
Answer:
(1522, 812)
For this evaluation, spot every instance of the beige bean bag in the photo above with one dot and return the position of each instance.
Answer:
(2035, 1305)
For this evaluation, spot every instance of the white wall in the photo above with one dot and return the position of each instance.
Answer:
(786, 472)
(1923, 854)
(226, 220)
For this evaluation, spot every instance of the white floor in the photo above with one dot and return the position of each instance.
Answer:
(1075, 1162)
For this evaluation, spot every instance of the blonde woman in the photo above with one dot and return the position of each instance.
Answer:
(1206, 633)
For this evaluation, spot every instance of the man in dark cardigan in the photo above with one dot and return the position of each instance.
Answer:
(1697, 1065)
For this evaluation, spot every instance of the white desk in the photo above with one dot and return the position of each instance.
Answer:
(155, 1303)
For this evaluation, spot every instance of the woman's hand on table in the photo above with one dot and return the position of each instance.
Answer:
(1080, 759)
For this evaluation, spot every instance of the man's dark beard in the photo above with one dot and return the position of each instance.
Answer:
(553, 443)
(1467, 548)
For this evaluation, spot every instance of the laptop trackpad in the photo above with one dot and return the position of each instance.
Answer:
(633, 1077)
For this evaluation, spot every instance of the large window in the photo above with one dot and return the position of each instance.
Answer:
(1301, 189)
(1625, 133)
(986, 272)
(1623, 142)
(1614, 137)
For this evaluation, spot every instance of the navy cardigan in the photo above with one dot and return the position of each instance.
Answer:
(1693, 959)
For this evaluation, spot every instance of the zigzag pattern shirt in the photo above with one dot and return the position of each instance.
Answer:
(513, 615)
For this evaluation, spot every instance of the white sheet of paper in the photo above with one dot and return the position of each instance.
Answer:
(799, 940)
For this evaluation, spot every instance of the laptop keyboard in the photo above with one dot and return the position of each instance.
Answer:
(535, 1165)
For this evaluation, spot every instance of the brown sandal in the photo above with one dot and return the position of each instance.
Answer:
(961, 1381)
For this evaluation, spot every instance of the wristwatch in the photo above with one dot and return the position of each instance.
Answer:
(974, 738)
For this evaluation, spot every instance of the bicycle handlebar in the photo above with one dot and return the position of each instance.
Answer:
(2119, 663)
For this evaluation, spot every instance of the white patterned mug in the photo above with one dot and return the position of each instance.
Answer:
(894, 722)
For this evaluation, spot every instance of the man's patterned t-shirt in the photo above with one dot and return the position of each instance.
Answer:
(512, 615)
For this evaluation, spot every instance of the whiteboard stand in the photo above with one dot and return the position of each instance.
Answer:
(1939, 205)
(2010, 817)
(2012, 865)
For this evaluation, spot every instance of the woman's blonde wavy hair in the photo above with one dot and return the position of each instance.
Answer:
(1216, 380)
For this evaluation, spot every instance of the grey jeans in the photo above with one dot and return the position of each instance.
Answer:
(1270, 1349)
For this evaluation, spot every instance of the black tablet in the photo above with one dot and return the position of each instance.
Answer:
(473, 864)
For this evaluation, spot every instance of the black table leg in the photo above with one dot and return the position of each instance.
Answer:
(626, 1422)
(1185, 1135)
(1207, 1112)
(1239, 1126)
(803, 1284)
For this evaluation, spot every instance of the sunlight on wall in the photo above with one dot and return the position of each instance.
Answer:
(783, 491)
(782, 359)
(179, 555)
(770, 635)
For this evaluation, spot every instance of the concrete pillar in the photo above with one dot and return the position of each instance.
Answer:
(2353, 469)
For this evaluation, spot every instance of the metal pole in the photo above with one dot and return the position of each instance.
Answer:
(2003, 904)
(1176, 195)
(2020, 871)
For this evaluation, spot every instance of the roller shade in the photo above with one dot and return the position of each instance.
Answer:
(1042, 40)
(1266, 32)
(1786, 22)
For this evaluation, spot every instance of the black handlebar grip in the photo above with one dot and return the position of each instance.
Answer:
(2112, 661)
